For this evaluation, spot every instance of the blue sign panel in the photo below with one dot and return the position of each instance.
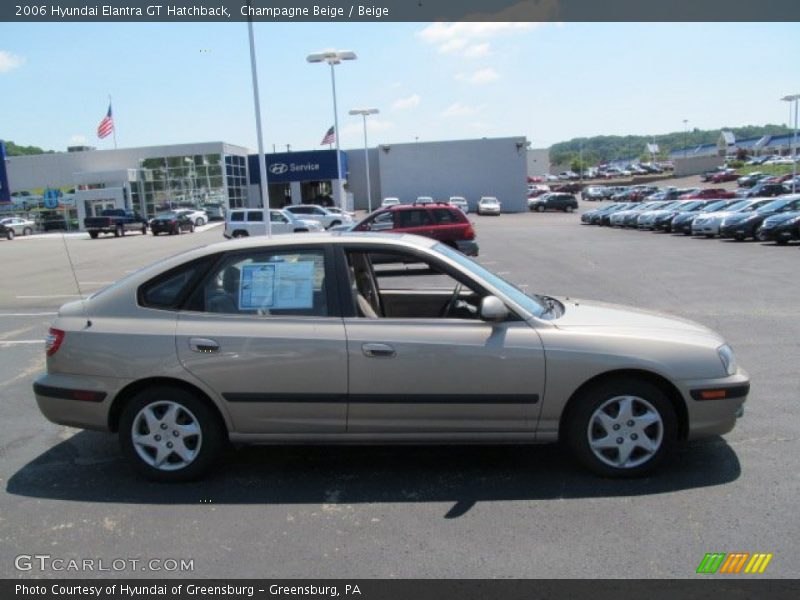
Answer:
(5, 190)
(286, 167)
(51, 198)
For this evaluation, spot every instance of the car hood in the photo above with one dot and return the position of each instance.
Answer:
(627, 320)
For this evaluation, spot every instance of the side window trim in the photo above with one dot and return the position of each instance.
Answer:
(332, 296)
(343, 275)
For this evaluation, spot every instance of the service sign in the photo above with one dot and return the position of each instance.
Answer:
(5, 192)
(286, 167)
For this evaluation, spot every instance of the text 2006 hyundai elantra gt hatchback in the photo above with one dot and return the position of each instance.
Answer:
(374, 338)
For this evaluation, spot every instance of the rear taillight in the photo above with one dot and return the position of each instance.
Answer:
(53, 341)
(469, 234)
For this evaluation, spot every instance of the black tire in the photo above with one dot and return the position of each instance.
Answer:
(27, 231)
(154, 232)
(240, 234)
(144, 229)
(781, 242)
(9, 234)
(199, 221)
(540, 208)
(581, 417)
(191, 228)
(208, 444)
(93, 234)
(569, 209)
(119, 231)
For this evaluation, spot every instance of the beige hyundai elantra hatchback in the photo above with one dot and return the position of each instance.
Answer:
(374, 338)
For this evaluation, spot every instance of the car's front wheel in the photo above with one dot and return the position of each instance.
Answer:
(622, 428)
(540, 208)
(169, 434)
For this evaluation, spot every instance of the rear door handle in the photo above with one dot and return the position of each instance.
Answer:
(378, 350)
(203, 345)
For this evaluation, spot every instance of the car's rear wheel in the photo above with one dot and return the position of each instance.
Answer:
(169, 434)
(93, 235)
(622, 428)
(119, 231)
(239, 234)
(569, 209)
(144, 229)
(540, 208)
(200, 221)
(27, 231)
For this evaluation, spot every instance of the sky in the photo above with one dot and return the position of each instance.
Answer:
(191, 82)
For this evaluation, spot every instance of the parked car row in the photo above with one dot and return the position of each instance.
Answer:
(765, 219)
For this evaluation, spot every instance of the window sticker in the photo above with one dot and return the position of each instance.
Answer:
(281, 285)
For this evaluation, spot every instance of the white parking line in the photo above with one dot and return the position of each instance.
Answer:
(50, 296)
(37, 314)
(96, 282)
(5, 344)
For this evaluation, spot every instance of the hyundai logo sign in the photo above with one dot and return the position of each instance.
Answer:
(278, 168)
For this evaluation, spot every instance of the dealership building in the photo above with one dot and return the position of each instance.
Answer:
(155, 178)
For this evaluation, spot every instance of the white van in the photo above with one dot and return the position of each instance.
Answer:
(244, 222)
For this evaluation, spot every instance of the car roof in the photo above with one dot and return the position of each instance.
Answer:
(416, 205)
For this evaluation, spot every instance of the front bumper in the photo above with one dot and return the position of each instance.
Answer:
(717, 414)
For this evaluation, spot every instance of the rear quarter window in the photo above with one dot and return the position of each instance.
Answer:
(237, 216)
(168, 290)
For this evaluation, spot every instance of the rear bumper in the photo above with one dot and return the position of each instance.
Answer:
(468, 247)
(76, 401)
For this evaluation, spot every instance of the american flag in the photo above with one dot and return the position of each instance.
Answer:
(106, 126)
(330, 137)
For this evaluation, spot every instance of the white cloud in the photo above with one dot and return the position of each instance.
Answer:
(459, 110)
(478, 50)
(374, 125)
(406, 103)
(78, 140)
(479, 77)
(468, 38)
(9, 62)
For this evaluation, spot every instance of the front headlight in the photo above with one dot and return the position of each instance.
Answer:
(728, 359)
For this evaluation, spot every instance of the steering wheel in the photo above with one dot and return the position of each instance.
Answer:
(451, 303)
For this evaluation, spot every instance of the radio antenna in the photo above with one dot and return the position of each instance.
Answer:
(75, 277)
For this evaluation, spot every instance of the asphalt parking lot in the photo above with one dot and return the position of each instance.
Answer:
(450, 512)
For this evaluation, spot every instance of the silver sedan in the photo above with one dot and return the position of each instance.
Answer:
(375, 338)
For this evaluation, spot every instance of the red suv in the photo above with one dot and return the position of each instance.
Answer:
(438, 221)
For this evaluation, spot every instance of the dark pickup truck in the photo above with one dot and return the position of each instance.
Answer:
(116, 221)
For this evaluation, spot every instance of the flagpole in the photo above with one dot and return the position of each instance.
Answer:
(114, 125)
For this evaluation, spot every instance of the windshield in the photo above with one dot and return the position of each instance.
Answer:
(775, 205)
(530, 303)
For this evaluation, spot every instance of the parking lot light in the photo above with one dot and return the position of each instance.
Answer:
(364, 112)
(793, 98)
(333, 58)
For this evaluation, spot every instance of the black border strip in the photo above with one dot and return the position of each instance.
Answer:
(731, 391)
(333, 11)
(67, 393)
(490, 399)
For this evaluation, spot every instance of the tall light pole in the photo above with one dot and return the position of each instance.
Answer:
(364, 112)
(333, 58)
(793, 98)
(262, 162)
(685, 138)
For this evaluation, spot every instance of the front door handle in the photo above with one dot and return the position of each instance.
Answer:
(203, 345)
(378, 350)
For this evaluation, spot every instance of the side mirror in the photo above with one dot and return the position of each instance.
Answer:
(493, 309)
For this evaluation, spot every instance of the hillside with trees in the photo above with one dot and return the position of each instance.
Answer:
(603, 148)
(13, 149)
